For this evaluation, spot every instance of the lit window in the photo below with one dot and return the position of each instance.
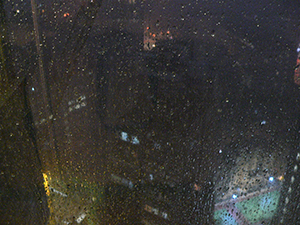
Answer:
(124, 136)
(135, 140)
(151, 177)
(263, 122)
(164, 215)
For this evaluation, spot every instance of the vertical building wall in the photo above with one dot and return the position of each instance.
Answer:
(22, 193)
(21, 166)
(73, 160)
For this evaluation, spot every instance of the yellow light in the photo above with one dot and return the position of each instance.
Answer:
(46, 184)
(281, 178)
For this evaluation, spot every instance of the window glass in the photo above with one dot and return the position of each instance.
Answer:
(149, 112)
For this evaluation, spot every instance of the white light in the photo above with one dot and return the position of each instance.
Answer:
(135, 140)
(263, 122)
(298, 156)
(81, 218)
(151, 177)
(292, 179)
(124, 136)
(234, 196)
(286, 200)
(32, 88)
(220, 151)
(298, 49)
(164, 215)
(271, 179)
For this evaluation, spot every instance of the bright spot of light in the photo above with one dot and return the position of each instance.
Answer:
(81, 218)
(46, 185)
(135, 140)
(271, 179)
(234, 196)
(292, 179)
(263, 122)
(32, 88)
(295, 168)
(151, 177)
(220, 151)
(124, 136)
(280, 178)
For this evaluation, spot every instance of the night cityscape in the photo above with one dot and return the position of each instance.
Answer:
(150, 112)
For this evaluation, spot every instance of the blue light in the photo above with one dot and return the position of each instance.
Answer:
(234, 196)
(271, 179)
